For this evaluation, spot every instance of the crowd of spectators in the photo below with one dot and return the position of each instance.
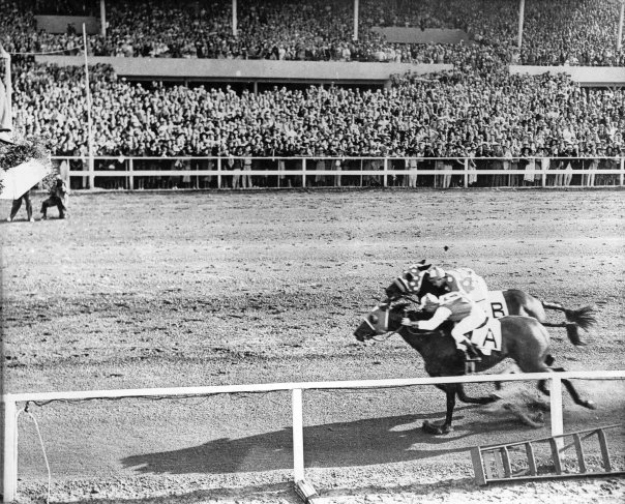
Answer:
(476, 111)
(575, 32)
(578, 33)
(464, 112)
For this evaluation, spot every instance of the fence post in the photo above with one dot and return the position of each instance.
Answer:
(622, 175)
(91, 164)
(131, 177)
(9, 452)
(385, 172)
(219, 173)
(303, 172)
(298, 436)
(557, 422)
(466, 173)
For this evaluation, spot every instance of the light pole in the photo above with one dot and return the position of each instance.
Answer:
(6, 91)
(619, 41)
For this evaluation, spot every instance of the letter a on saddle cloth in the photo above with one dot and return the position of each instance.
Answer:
(487, 337)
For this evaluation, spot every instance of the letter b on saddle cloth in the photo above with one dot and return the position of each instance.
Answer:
(487, 337)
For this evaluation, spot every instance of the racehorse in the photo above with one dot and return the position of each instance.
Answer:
(524, 339)
(416, 285)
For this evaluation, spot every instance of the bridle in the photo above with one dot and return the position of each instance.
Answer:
(386, 334)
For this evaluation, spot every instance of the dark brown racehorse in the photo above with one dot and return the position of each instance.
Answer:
(415, 283)
(525, 340)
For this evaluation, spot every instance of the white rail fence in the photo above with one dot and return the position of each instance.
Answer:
(11, 401)
(138, 173)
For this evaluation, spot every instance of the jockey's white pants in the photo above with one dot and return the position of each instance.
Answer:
(471, 322)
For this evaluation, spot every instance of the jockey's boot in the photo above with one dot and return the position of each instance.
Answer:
(472, 353)
(469, 353)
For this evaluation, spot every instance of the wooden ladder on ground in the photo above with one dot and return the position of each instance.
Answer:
(494, 463)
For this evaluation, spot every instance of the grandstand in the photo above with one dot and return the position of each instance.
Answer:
(497, 84)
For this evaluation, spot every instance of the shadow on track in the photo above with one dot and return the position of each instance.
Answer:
(344, 444)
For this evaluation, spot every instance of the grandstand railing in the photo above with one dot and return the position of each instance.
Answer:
(141, 173)
(11, 413)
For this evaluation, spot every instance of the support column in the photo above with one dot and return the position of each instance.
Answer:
(103, 17)
(356, 8)
(89, 119)
(521, 20)
(234, 18)
(7, 123)
(619, 41)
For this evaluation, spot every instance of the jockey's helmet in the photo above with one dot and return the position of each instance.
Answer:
(429, 302)
(436, 273)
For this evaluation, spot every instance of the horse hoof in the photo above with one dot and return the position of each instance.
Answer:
(431, 428)
(590, 405)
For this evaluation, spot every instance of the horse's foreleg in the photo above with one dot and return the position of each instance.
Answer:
(473, 400)
(446, 427)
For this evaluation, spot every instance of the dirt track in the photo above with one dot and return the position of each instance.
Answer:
(183, 289)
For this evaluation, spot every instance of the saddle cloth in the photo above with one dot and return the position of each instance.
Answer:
(487, 337)
(495, 305)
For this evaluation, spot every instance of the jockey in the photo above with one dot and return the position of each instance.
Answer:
(463, 280)
(457, 307)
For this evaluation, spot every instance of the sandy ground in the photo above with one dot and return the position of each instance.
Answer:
(186, 289)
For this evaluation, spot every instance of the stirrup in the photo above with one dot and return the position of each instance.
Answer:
(469, 355)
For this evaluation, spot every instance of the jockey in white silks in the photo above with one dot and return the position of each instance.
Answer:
(457, 307)
(463, 280)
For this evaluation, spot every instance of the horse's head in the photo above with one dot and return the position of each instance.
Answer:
(382, 319)
(413, 282)
(386, 319)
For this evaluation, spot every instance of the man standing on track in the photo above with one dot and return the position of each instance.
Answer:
(58, 198)
(17, 204)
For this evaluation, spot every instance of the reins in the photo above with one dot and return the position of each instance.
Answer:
(387, 335)
(383, 337)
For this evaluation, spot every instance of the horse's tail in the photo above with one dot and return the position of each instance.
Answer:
(583, 318)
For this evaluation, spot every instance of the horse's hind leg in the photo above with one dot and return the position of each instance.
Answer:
(586, 403)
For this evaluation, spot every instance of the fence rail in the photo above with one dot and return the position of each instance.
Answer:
(327, 171)
(10, 402)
